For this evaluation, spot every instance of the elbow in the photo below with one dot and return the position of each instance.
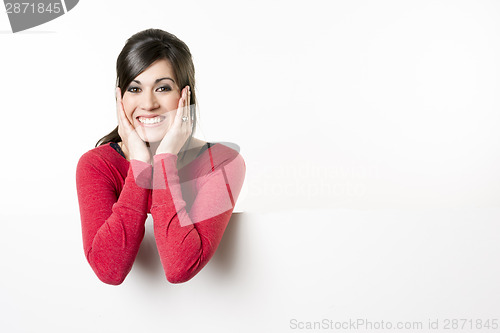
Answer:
(180, 272)
(179, 275)
(111, 280)
(107, 274)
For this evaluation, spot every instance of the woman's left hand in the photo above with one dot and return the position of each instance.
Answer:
(180, 130)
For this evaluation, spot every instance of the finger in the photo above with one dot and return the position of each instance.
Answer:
(180, 108)
(122, 117)
(186, 105)
(185, 108)
(119, 102)
(118, 94)
(189, 106)
(118, 111)
(143, 132)
(179, 104)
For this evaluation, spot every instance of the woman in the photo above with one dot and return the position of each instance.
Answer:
(151, 163)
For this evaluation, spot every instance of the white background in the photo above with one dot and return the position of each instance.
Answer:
(370, 134)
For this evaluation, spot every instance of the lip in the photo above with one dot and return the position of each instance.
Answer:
(162, 118)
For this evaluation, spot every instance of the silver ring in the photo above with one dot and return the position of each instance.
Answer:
(184, 119)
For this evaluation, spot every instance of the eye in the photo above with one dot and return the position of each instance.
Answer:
(164, 88)
(133, 89)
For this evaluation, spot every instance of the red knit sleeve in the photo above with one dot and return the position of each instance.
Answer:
(186, 242)
(112, 222)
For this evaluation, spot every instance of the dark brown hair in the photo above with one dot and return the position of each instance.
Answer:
(143, 49)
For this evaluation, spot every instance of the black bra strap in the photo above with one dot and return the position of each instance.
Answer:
(116, 147)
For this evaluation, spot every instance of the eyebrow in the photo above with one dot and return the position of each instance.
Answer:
(157, 80)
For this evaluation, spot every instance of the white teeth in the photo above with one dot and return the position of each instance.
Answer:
(149, 120)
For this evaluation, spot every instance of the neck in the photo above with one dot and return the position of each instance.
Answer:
(152, 147)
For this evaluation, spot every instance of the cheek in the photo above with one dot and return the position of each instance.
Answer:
(128, 107)
(172, 102)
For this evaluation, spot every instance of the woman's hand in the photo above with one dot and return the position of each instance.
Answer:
(132, 145)
(180, 131)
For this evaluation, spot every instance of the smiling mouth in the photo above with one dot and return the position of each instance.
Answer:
(150, 120)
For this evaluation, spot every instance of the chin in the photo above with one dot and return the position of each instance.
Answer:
(151, 135)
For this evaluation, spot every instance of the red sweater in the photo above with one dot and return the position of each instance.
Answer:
(190, 207)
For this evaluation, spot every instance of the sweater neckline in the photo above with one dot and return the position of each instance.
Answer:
(116, 147)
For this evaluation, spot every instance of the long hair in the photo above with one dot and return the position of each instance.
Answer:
(143, 49)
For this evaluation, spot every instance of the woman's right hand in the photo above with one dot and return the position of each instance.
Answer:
(132, 145)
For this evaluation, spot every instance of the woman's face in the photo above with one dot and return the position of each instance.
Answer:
(151, 99)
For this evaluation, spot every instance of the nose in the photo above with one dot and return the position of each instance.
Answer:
(149, 101)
